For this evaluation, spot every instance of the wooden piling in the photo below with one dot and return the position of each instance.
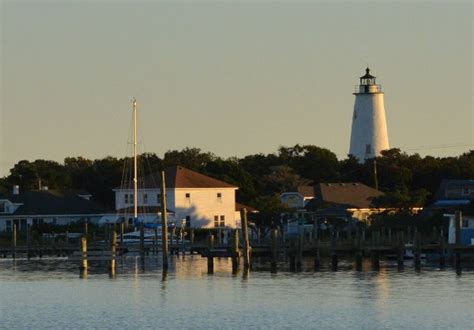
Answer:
(299, 248)
(113, 250)
(86, 228)
(442, 250)
(84, 265)
(235, 251)
(417, 250)
(317, 256)
(14, 241)
(164, 222)
(142, 240)
(457, 252)
(358, 254)
(245, 234)
(191, 236)
(401, 251)
(334, 258)
(210, 258)
(375, 260)
(274, 248)
(122, 232)
(28, 241)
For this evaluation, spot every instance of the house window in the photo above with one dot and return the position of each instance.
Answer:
(216, 221)
(219, 197)
(3, 207)
(222, 224)
(188, 195)
(9, 226)
(132, 200)
(158, 199)
(188, 221)
(145, 198)
(465, 191)
(125, 198)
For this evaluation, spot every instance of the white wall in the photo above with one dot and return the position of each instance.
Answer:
(369, 126)
(202, 205)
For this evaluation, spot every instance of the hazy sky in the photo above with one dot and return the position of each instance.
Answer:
(231, 77)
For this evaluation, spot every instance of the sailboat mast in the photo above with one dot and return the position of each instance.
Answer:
(135, 171)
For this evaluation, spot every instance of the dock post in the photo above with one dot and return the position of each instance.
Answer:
(191, 237)
(274, 247)
(358, 256)
(401, 251)
(14, 241)
(84, 265)
(122, 232)
(417, 249)
(113, 250)
(390, 235)
(86, 228)
(235, 251)
(317, 257)
(142, 241)
(442, 250)
(245, 234)
(164, 222)
(334, 259)
(299, 248)
(28, 241)
(457, 252)
(210, 258)
(375, 260)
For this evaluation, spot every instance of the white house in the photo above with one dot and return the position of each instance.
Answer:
(197, 199)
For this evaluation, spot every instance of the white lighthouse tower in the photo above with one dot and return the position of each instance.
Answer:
(369, 126)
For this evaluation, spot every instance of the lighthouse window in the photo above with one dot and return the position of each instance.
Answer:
(368, 149)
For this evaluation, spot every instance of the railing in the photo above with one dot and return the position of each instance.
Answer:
(361, 89)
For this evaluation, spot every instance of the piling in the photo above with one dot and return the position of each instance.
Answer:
(245, 234)
(142, 240)
(14, 241)
(457, 253)
(375, 260)
(235, 251)
(113, 250)
(164, 222)
(417, 249)
(122, 232)
(86, 228)
(401, 251)
(358, 254)
(334, 258)
(442, 250)
(317, 256)
(28, 241)
(299, 248)
(191, 236)
(210, 258)
(84, 265)
(274, 248)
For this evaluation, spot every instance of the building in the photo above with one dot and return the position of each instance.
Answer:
(298, 199)
(57, 207)
(349, 200)
(196, 199)
(453, 195)
(369, 126)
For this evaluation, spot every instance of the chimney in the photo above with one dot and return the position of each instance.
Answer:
(16, 189)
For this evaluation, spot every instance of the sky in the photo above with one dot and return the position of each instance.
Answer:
(230, 77)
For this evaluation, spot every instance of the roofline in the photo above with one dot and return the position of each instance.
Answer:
(53, 215)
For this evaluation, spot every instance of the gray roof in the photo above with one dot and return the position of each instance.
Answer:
(55, 202)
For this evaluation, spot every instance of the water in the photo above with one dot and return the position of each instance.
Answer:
(50, 294)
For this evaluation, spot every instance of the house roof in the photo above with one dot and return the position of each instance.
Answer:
(349, 195)
(239, 207)
(55, 202)
(306, 191)
(178, 177)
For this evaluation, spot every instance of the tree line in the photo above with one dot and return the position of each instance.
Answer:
(406, 179)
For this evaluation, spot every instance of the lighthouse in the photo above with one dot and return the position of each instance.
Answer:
(369, 126)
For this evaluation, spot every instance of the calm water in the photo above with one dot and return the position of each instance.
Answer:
(50, 294)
